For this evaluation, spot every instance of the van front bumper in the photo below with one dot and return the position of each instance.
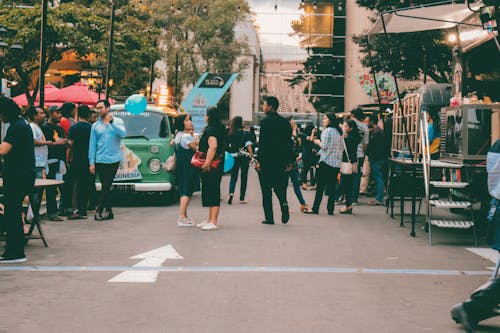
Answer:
(139, 187)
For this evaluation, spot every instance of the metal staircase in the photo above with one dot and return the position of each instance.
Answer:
(436, 207)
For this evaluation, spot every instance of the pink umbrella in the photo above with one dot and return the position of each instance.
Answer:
(50, 90)
(78, 93)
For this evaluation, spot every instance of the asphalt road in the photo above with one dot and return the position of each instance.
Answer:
(359, 273)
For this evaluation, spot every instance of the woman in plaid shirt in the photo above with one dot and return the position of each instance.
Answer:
(329, 162)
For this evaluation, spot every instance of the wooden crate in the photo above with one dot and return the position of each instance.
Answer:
(410, 110)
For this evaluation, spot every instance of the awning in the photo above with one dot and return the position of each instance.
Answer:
(436, 17)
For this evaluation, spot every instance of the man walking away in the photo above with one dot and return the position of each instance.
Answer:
(377, 153)
(57, 156)
(274, 159)
(18, 177)
(37, 117)
(105, 155)
(79, 138)
(357, 116)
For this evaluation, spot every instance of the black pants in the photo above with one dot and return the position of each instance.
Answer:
(326, 180)
(483, 302)
(68, 190)
(210, 188)
(51, 192)
(348, 188)
(308, 163)
(272, 181)
(82, 182)
(243, 164)
(106, 173)
(92, 193)
(15, 190)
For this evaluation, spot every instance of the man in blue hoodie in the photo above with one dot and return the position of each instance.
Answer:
(105, 155)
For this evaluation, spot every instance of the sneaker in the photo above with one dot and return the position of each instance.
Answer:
(230, 199)
(12, 260)
(76, 216)
(184, 222)
(202, 224)
(210, 226)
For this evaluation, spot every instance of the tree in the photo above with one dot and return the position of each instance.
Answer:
(408, 49)
(199, 36)
(69, 28)
(84, 30)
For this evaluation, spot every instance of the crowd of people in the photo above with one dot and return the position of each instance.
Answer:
(68, 143)
(331, 159)
(76, 144)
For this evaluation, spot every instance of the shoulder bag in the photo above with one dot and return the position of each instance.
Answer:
(200, 158)
(348, 168)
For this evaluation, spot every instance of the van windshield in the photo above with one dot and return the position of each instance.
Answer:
(148, 125)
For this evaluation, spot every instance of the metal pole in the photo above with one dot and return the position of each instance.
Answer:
(176, 74)
(405, 125)
(110, 47)
(374, 74)
(43, 54)
(151, 77)
(425, 64)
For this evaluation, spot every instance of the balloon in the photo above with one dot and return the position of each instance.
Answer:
(228, 162)
(136, 104)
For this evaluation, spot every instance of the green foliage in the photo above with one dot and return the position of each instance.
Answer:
(69, 27)
(74, 26)
(408, 49)
(201, 34)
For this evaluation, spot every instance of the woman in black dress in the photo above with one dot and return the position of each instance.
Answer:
(186, 145)
(212, 143)
(351, 139)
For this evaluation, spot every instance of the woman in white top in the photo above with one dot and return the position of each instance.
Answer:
(186, 145)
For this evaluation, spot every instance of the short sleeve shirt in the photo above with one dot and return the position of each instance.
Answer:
(80, 135)
(218, 133)
(54, 133)
(20, 160)
(41, 152)
(184, 139)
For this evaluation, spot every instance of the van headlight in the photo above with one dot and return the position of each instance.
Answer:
(155, 165)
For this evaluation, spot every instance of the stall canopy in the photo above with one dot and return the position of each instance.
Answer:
(443, 15)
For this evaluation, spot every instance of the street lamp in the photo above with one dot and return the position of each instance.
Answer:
(4, 47)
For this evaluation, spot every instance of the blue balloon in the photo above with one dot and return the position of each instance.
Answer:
(136, 104)
(228, 162)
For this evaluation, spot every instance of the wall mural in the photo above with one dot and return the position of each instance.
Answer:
(386, 86)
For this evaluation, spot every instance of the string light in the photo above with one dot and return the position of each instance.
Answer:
(315, 5)
(204, 9)
(239, 8)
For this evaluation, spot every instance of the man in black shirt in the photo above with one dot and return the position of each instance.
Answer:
(275, 159)
(79, 138)
(377, 154)
(18, 178)
(57, 155)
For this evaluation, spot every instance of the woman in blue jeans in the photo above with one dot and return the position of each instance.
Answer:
(239, 140)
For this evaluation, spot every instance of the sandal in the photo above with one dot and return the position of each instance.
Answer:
(306, 209)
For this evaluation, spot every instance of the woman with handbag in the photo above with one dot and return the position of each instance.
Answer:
(212, 150)
(186, 144)
(329, 162)
(238, 139)
(349, 165)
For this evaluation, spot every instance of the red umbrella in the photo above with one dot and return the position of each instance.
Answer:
(78, 93)
(50, 90)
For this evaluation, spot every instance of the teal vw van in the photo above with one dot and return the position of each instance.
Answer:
(144, 150)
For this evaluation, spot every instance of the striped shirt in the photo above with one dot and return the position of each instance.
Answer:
(331, 147)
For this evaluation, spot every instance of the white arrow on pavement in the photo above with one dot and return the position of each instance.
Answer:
(153, 258)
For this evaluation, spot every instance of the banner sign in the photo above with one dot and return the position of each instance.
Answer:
(206, 93)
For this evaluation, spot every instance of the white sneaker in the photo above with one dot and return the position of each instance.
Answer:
(210, 226)
(184, 222)
(202, 224)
